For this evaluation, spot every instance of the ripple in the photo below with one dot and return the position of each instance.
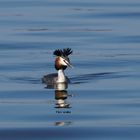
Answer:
(85, 78)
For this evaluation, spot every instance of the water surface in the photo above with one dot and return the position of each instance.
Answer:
(103, 96)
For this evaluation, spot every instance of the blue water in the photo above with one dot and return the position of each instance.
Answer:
(104, 95)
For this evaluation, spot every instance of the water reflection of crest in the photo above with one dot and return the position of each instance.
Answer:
(63, 123)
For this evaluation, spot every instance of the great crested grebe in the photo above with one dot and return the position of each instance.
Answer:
(61, 63)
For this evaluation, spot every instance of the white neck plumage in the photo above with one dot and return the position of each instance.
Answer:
(61, 76)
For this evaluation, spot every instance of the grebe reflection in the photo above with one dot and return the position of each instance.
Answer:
(61, 95)
(61, 99)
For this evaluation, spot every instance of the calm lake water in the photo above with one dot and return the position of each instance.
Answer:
(103, 99)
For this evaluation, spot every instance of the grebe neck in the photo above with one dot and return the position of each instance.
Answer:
(61, 76)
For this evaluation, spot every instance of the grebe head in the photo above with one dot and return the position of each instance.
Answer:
(62, 60)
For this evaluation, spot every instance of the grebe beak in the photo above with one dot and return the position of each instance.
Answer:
(68, 63)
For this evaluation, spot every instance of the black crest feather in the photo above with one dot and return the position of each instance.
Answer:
(65, 52)
(58, 52)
